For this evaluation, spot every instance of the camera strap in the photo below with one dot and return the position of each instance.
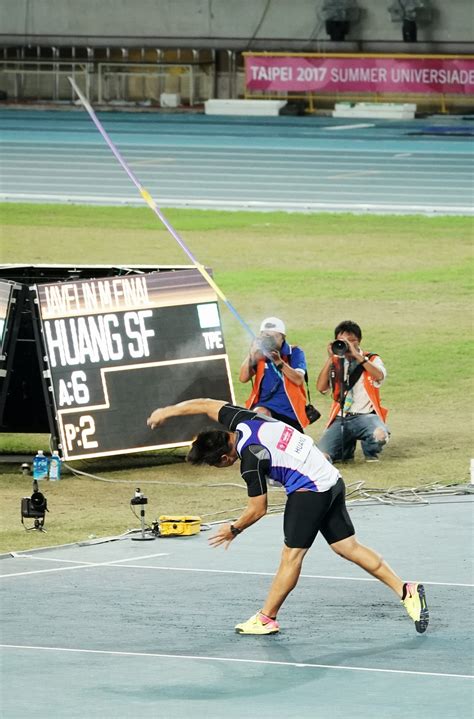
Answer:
(354, 375)
(308, 393)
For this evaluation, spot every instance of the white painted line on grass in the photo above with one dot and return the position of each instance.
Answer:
(266, 662)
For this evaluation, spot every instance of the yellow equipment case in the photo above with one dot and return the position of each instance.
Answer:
(174, 526)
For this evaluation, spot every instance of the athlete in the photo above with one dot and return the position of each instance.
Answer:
(272, 451)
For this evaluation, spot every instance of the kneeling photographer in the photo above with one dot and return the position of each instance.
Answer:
(354, 378)
(278, 372)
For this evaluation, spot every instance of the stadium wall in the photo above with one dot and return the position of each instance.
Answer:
(230, 24)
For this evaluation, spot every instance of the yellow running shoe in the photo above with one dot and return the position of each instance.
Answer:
(414, 601)
(258, 624)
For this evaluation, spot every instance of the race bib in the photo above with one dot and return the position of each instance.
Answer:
(294, 443)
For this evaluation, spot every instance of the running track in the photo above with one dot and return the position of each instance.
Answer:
(288, 163)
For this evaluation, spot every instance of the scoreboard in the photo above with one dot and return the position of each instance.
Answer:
(115, 348)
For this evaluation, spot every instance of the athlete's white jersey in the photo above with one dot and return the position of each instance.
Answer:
(288, 457)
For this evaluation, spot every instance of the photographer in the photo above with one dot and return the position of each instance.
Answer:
(277, 371)
(354, 377)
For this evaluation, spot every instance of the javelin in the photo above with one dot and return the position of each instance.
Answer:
(152, 204)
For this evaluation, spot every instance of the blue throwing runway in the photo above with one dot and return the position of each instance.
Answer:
(122, 630)
(282, 163)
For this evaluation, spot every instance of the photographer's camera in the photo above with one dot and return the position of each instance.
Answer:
(339, 348)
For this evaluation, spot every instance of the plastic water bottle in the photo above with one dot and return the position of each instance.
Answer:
(55, 467)
(40, 466)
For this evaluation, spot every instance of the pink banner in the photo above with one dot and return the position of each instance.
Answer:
(427, 76)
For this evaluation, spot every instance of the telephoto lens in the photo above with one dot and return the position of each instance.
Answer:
(339, 348)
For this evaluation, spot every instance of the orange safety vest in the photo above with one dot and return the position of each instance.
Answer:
(369, 386)
(296, 394)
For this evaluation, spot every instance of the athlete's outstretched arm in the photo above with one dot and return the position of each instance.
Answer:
(255, 510)
(211, 407)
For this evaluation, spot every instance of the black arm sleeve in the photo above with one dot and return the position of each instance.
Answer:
(255, 467)
(255, 462)
(230, 416)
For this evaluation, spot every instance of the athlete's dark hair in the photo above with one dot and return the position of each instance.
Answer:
(208, 447)
(348, 326)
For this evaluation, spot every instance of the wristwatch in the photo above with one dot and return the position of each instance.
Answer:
(235, 530)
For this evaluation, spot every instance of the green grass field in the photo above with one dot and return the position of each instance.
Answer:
(407, 280)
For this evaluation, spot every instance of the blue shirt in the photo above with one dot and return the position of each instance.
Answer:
(272, 390)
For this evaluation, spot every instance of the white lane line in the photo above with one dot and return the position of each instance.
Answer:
(206, 571)
(79, 566)
(209, 151)
(31, 176)
(176, 174)
(349, 174)
(357, 126)
(105, 170)
(267, 662)
(351, 186)
(240, 158)
(183, 165)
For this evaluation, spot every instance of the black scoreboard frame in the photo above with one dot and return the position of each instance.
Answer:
(112, 349)
(11, 301)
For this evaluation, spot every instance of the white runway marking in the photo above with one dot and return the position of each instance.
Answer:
(192, 657)
(78, 565)
(120, 562)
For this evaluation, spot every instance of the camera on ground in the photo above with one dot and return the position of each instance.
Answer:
(139, 498)
(34, 507)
